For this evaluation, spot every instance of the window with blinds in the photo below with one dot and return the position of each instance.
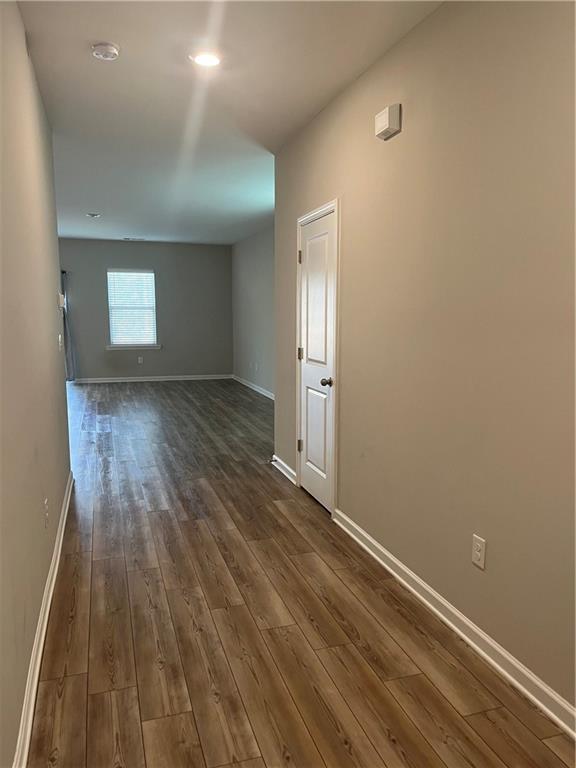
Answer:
(131, 307)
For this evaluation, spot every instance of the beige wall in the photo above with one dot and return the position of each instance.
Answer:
(193, 307)
(253, 309)
(34, 451)
(456, 347)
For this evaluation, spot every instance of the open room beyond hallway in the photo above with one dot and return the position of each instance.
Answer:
(208, 613)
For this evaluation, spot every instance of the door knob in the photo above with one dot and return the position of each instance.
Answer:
(327, 382)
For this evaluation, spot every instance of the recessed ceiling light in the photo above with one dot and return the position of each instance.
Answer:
(105, 51)
(93, 215)
(134, 239)
(205, 59)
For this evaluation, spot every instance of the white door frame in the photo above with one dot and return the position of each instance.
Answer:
(307, 218)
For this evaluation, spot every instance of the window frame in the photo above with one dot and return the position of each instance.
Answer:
(112, 347)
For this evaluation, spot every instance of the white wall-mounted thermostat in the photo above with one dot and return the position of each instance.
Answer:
(388, 122)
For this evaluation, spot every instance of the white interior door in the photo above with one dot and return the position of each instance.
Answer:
(319, 256)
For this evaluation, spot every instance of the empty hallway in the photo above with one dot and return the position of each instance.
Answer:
(287, 384)
(208, 613)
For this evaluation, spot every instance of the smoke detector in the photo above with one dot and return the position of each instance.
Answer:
(105, 51)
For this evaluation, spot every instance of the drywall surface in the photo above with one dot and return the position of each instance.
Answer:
(34, 459)
(193, 307)
(456, 366)
(253, 309)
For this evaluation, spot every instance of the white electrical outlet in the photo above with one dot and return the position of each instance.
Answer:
(479, 551)
(46, 513)
(140, 360)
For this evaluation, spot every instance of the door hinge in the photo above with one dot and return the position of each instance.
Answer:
(300, 353)
(299, 257)
(299, 445)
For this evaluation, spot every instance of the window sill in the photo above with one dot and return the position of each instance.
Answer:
(123, 347)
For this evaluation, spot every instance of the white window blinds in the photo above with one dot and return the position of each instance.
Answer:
(131, 307)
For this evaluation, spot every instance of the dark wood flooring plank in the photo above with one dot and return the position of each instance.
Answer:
(398, 741)
(130, 475)
(123, 452)
(66, 643)
(563, 746)
(284, 533)
(114, 731)
(316, 532)
(225, 732)
(282, 736)
(215, 578)
(78, 530)
(313, 618)
(272, 484)
(161, 683)
(84, 464)
(256, 516)
(217, 516)
(512, 741)
(173, 558)
(335, 730)
(104, 447)
(447, 732)
(139, 549)
(143, 453)
(334, 546)
(453, 680)
(59, 728)
(243, 507)
(277, 484)
(190, 504)
(155, 496)
(172, 742)
(514, 701)
(378, 648)
(265, 604)
(134, 512)
(107, 475)
(108, 528)
(111, 655)
(360, 559)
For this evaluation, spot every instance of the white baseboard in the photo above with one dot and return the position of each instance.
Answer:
(121, 379)
(27, 717)
(255, 387)
(555, 706)
(281, 466)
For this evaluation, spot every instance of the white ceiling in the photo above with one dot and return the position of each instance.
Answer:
(169, 152)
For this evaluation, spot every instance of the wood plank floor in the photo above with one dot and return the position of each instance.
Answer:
(208, 613)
